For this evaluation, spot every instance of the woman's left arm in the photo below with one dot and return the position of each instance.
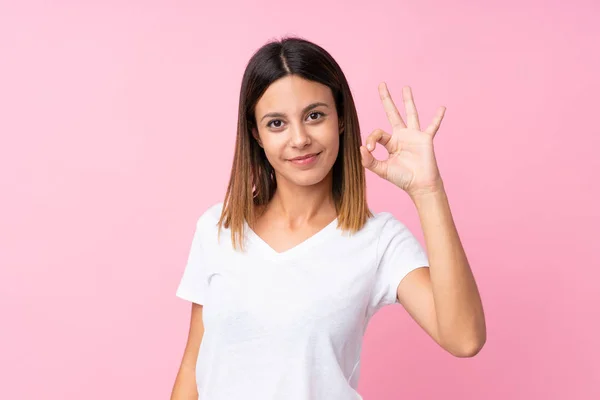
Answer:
(443, 299)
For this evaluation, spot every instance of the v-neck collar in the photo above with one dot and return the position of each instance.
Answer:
(266, 250)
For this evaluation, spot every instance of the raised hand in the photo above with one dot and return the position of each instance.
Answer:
(411, 164)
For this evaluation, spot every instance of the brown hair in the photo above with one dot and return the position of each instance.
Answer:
(252, 182)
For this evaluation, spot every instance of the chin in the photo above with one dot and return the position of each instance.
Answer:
(308, 182)
(308, 178)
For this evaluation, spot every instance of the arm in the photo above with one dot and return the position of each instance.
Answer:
(444, 299)
(185, 382)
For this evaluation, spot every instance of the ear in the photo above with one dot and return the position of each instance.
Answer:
(256, 136)
(341, 124)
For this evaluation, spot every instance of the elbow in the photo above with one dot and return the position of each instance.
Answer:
(467, 348)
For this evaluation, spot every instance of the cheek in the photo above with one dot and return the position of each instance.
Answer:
(273, 150)
(333, 143)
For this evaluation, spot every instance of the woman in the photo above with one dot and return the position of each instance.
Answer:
(286, 273)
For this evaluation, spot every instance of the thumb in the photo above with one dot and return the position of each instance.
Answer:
(371, 163)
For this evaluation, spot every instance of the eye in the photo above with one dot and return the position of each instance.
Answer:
(276, 123)
(315, 115)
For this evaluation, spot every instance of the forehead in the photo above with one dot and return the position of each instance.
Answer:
(291, 93)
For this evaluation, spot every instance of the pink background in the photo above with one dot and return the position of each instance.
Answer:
(117, 124)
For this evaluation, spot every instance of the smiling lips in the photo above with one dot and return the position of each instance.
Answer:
(305, 159)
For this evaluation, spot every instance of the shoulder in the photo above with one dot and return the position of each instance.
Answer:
(384, 222)
(389, 230)
(209, 219)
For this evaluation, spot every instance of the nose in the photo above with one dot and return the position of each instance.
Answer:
(299, 136)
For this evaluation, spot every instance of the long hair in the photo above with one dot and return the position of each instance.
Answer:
(252, 182)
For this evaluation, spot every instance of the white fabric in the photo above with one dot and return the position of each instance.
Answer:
(290, 325)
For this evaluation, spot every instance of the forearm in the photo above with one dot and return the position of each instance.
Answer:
(459, 312)
(185, 384)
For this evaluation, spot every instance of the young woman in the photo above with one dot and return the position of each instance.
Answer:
(285, 274)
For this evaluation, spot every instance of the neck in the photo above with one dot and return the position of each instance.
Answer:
(301, 204)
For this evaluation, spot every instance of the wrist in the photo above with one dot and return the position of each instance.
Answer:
(435, 190)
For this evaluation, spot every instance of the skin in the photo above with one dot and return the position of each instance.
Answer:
(443, 299)
(185, 387)
(289, 127)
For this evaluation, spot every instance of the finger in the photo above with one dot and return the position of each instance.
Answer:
(379, 136)
(390, 108)
(371, 163)
(412, 117)
(437, 121)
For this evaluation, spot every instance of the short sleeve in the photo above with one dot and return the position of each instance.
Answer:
(398, 253)
(193, 284)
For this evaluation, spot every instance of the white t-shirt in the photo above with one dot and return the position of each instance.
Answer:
(290, 325)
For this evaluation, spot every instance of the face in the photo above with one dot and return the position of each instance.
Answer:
(298, 129)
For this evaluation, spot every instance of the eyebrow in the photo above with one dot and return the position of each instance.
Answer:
(305, 109)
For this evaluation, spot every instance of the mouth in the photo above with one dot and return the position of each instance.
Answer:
(305, 159)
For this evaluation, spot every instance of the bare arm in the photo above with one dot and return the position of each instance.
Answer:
(444, 299)
(185, 382)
